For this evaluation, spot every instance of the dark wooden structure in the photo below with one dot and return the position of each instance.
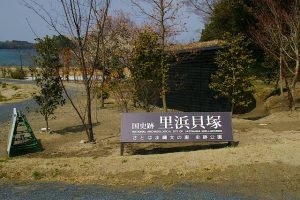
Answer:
(189, 79)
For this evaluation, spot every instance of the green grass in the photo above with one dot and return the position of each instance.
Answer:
(2, 98)
(3, 175)
(3, 160)
(37, 175)
(261, 86)
(15, 87)
(17, 96)
(55, 173)
(4, 85)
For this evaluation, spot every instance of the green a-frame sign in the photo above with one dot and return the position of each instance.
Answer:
(21, 138)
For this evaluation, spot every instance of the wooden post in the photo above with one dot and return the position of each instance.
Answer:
(122, 148)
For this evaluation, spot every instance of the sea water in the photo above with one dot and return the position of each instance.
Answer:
(16, 57)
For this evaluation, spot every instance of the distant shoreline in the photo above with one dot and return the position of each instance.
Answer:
(17, 57)
(14, 67)
(18, 48)
(16, 44)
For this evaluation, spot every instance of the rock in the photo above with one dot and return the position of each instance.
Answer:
(45, 129)
(262, 124)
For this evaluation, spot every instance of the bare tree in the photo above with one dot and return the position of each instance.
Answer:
(99, 41)
(204, 8)
(278, 33)
(77, 21)
(116, 47)
(121, 42)
(122, 90)
(268, 33)
(164, 16)
(123, 33)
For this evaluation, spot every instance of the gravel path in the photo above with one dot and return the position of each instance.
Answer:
(64, 191)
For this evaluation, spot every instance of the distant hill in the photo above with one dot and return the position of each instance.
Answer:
(15, 44)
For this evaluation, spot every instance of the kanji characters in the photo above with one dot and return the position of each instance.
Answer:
(181, 122)
(197, 121)
(214, 121)
(166, 122)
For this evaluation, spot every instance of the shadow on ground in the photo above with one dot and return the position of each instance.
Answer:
(254, 118)
(163, 150)
(73, 129)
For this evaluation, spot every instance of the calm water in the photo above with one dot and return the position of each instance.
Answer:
(14, 57)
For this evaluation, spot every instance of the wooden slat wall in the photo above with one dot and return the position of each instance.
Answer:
(189, 79)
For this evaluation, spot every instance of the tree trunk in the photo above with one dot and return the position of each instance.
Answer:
(295, 79)
(47, 123)
(102, 92)
(164, 100)
(134, 102)
(89, 115)
(280, 73)
(297, 66)
(86, 81)
(96, 110)
(103, 70)
(74, 75)
(126, 106)
(163, 37)
(232, 98)
(164, 83)
(147, 105)
(134, 96)
(75, 108)
(290, 95)
(232, 102)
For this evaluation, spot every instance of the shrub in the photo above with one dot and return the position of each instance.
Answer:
(15, 87)
(3, 72)
(37, 175)
(17, 74)
(3, 175)
(2, 98)
(4, 85)
(232, 79)
(122, 92)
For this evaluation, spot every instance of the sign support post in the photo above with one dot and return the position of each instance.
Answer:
(122, 148)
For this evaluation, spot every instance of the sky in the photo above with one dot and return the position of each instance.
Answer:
(17, 22)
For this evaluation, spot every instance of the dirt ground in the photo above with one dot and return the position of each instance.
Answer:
(10, 93)
(266, 161)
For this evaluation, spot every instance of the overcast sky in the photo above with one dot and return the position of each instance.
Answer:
(14, 26)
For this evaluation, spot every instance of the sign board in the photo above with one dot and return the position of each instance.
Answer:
(176, 127)
(12, 130)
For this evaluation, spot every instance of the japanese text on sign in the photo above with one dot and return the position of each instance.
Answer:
(176, 127)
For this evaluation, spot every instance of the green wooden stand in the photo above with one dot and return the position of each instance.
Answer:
(21, 139)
